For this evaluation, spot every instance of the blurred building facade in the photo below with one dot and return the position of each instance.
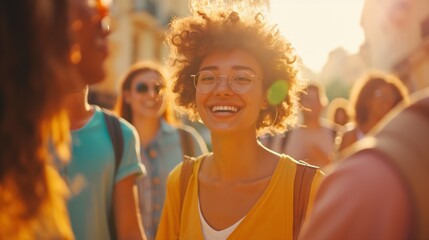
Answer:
(138, 34)
(414, 68)
(394, 42)
(341, 70)
(392, 29)
(395, 33)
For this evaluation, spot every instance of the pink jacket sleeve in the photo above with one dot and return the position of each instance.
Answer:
(363, 198)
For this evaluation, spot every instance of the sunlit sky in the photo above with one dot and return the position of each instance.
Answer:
(316, 27)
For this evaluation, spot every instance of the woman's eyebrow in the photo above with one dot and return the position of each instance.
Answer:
(210, 67)
(241, 67)
(235, 67)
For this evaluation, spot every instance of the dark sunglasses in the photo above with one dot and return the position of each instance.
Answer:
(144, 88)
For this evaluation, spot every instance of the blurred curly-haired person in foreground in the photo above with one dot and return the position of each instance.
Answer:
(33, 66)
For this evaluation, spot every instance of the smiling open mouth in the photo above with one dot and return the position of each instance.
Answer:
(228, 109)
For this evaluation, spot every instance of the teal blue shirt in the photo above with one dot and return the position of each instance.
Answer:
(90, 175)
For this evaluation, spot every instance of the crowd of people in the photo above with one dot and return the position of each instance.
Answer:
(277, 169)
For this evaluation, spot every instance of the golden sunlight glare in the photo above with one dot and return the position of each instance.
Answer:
(316, 27)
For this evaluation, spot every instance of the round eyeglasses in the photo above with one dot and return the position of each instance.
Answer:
(240, 81)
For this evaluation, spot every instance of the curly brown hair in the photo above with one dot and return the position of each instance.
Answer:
(32, 126)
(223, 27)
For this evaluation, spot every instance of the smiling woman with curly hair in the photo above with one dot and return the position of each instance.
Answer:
(234, 71)
(212, 28)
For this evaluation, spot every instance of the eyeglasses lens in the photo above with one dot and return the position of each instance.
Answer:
(239, 82)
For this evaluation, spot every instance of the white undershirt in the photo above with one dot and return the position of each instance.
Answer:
(210, 234)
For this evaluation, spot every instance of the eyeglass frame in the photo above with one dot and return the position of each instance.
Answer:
(217, 79)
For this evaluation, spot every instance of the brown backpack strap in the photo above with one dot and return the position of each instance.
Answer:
(302, 185)
(185, 174)
(186, 142)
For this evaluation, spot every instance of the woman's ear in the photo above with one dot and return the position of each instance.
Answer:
(265, 104)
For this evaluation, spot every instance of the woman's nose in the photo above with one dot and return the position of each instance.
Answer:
(223, 84)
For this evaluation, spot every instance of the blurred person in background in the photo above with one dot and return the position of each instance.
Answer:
(33, 126)
(226, 58)
(371, 98)
(379, 189)
(313, 140)
(144, 102)
(337, 111)
(104, 202)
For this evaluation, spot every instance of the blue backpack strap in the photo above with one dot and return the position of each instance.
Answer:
(115, 133)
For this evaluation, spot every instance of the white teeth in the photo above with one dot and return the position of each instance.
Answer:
(224, 109)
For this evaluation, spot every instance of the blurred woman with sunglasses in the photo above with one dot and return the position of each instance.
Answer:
(33, 127)
(144, 102)
(236, 72)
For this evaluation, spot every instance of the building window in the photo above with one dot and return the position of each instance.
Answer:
(146, 5)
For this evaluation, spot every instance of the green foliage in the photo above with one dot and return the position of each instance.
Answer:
(338, 88)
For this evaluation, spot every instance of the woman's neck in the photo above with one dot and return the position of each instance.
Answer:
(235, 156)
(78, 109)
(312, 122)
(147, 128)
